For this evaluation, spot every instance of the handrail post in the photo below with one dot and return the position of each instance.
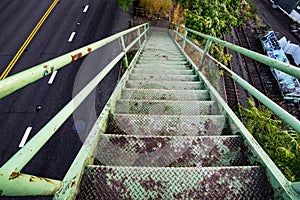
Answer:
(207, 46)
(184, 38)
(123, 47)
(145, 28)
(176, 36)
(139, 34)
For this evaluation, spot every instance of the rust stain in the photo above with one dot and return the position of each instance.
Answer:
(46, 66)
(14, 175)
(73, 184)
(31, 179)
(76, 56)
(45, 179)
(254, 141)
(89, 50)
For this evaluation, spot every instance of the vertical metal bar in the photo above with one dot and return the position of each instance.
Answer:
(123, 47)
(145, 28)
(207, 46)
(139, 34)
(26, 153)
(21, 79)
(176, 36)
(184, 39)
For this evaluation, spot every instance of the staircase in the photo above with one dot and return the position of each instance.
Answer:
(167, 138)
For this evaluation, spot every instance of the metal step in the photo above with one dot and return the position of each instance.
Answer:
(161, 53)
(162, 66)
(166, 77)
(164, 107)
(162, 69)
(168, 85)
(100, 182)
(167, 125)
(170, 151)
(163, 58)
(166, 62)
(176, 95)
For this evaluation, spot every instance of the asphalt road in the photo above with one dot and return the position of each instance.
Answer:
(18, 110)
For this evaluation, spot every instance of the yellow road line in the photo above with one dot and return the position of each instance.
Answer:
(28, 40)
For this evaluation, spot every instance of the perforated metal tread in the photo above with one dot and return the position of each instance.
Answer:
(170, 151)
(163, 71)
(166, 62)
(160, 58)
(164, 107)
(247, 182)
(166, 77)
(167, 85)
(170, 142)
(160, 52)
(155, 66)
(176, 95)
(169, 125)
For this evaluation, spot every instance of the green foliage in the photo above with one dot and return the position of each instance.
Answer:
(283, 146)
(125, 3)
(214, 17)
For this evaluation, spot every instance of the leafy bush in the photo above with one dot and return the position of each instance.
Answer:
(215, 17)
(125, 3)
(283, 146)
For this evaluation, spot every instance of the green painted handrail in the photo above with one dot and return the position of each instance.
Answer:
(19, 80)
(18, 184)
(16, 163)
(278, 180)
(287, 68)
(284, 115)
(86, 154)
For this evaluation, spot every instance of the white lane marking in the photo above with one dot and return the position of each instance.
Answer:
(71, 37)
(86, 8)
(26, 134)
(52, 77)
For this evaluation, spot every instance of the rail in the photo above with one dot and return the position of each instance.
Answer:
(287, 68)
(12, 181)
(183, 40)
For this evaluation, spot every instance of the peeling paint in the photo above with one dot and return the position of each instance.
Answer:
(14, 175)
(73, 183)
(45, 72)
(76, 56)
(45, 179)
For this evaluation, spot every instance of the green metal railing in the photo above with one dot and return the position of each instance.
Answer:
(287, 68)
(12, 181)
(292, 189)
(15, 183)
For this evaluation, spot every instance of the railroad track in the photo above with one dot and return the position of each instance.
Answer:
(257, 74)
(232, 92)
